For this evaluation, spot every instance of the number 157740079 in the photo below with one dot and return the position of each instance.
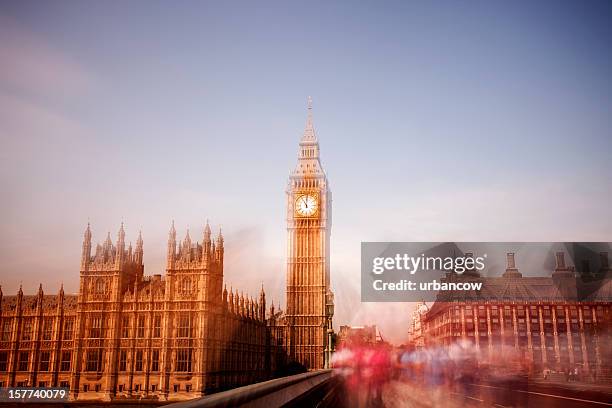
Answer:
(41, 394)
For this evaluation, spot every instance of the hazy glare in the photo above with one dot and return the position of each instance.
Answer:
(437, 122)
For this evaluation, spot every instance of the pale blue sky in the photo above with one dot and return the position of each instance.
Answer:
(437, 121)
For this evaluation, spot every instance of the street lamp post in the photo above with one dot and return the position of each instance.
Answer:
(329, 311)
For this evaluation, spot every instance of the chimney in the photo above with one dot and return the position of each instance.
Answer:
(561, 269)
(472, 271)
(510, 260)
(560, 258)
(511, 269)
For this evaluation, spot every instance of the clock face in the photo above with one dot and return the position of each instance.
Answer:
(306, 205)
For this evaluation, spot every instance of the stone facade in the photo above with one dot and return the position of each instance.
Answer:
(309, 296)
(531, 320)
(127, 335)
(181, 335)
(349, 336)
(415, 331)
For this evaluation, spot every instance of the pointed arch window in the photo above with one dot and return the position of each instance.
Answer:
(184, 326)
(125, 327)
(100, 286)
(45, 357)
(156, 326)
(96, 327)
(155, 360)
(68, 328)
(7, 326)
(65, 361)
(94, 360)
(183, 360)
(26, 333)
(139, 360)
(185, 286)
(140, 327)
(123, 360)
(48, 328)
(24, 357)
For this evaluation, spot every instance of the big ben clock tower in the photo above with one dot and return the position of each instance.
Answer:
(309, 297)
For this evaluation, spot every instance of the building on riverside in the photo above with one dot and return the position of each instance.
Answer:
(125, 334)
(557, 322)
(183, 334)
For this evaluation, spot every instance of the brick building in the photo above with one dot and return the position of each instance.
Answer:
(556, 322)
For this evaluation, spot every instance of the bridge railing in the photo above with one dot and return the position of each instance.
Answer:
(267, 394)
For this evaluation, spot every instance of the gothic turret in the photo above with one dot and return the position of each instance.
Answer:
(60, 298)
(308, 155)
(108, 251)
(272, 310)
(119, 256)
(241, 304)
(39, 298)
(19, 297)
(262, 303)
(171, 254)
(139, 252)
(108, 243)
(309, 132)
(86, 252)
(230, 301)
(186, 247)
(236, 302)
(219, 247)
(206, 242)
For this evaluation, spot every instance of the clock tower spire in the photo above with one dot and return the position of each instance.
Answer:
(308, 156)
(308, 276)
(309, 133)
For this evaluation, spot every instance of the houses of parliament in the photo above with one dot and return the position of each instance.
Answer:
(183, 334)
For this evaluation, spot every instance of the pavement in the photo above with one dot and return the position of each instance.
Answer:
(536, 395)
(399, 394)
(576, 386)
